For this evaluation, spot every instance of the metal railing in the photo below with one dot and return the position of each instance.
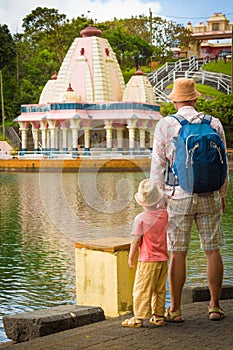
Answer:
(90, 154)
(13, 136)
(166, 75)
(220, 82)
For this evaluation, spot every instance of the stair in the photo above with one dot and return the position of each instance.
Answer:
(191, 68)
(13, 134)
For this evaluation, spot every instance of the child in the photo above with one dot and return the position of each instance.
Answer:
(149, 237)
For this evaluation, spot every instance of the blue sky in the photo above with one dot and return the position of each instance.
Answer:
(195, 10)
(12, 12)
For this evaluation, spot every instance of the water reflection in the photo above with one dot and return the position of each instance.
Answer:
(90, 205)
(42, 215)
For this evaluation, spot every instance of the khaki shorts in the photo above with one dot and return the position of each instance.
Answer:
(205, 211)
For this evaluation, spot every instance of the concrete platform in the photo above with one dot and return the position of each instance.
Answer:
(196, 333)
(29, 325)
(193, 294)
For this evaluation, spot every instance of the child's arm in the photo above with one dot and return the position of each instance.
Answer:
(135, 244)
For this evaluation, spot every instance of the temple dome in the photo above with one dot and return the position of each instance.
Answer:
(139, 89)
(91, 67)
(91, 31)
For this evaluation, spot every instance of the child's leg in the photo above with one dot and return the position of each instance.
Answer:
(142, 291)
(159, 293)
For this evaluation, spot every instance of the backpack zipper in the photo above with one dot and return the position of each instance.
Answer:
(189, 153)
(213, 144)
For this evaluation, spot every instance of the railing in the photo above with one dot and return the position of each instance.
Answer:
(13, 136)
(164, 76)
(221, 82)
(92, 154)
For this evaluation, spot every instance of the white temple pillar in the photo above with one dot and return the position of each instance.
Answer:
(56, 140)
(44, 139)
(48, 140)
(64, 139)
(35, 134)
(87, 140)
(74, 138)
(120, 139)
(131, 138)
(75, 126)
(142, 126)
(131, 127)
(23, 128)
(108, 128)
(142, 138)
(52, 139)
(52, 129)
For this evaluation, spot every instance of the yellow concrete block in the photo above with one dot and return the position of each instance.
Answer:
(103, 277)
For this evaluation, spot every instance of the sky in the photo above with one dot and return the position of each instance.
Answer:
(12, 12)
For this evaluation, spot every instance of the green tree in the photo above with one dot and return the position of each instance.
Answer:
(7, 68)
(7, 47)
(130, 50)
(43, 27)
(166, 35)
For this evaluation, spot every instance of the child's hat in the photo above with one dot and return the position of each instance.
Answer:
(148, 193)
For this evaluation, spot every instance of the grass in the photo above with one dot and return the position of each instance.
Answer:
(218, 67)
(205, 90)
(209, 91)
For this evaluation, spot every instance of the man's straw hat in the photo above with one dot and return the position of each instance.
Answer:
(184, 90)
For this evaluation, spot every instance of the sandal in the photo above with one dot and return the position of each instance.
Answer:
(175, 317)
(215, 310)
(132, 322)
(157, 321)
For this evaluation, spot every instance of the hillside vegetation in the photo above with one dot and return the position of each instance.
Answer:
(219, 67)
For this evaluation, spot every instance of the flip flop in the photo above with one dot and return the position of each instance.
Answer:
(215, 310)
(171, 316)
(157, 321)
(132, 323)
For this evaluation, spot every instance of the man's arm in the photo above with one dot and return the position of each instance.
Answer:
(158, 163)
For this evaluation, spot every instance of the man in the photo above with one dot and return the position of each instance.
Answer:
(184, 207)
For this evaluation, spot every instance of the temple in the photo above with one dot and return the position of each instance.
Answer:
(86, 106)
(211, 38)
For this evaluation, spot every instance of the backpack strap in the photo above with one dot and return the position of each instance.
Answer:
(180, 119)
(207, 119)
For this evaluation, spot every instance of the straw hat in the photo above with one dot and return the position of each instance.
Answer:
(184, 90)
(148, 193)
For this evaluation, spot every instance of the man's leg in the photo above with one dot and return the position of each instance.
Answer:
(177, 276)
(215, 277)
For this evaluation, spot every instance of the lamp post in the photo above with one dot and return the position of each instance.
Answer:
(3, 113)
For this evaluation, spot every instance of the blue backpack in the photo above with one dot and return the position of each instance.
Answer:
(199, 163)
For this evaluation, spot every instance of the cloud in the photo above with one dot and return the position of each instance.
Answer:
(12, 12)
